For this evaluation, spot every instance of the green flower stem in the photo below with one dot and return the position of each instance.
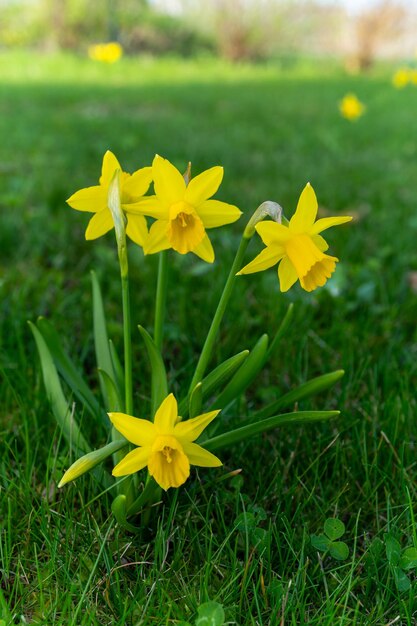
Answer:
(145, 497)
(127, 339)
(262, 426)
(130, 485)
(218, 316)
(161, 291)
(119, 219)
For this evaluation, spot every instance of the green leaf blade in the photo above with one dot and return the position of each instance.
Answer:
(306, 390)
(68, 370)
(245, 374)
(334, 528)
(320, 542)
(101, 340)
(239, 434)
(210, 614)
(392, 549)
(159, 377)
(408, 559)
(339, 550)
(59, 405)
(402, 582)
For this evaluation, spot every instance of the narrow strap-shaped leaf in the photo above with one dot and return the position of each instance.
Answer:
(159, 377)
(101, 341)
(281, 330)
(310, 388)
(218, 377)
(117, 368)
(222, 373)
(262, 426)
(90, 460)
(69, 372)
(114, 399)
(196, 401)
(245, 374)
(60, 407)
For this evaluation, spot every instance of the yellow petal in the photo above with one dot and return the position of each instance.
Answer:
(166, 415)
(191, 429)
(201, 457)
(136, 185)
(110, 165)
(204, 250)
(214, 213)
(134, 461)
(320, 242)
(265, 259)
(327, 222)
(203, 186)
(169, 183)
(91, 199)
(138, 431)
(306, 212)
(151, 206)
(99, 224)
(157, 239)
(272, 233)
(286, 274)
(169, 474)
(136, 229)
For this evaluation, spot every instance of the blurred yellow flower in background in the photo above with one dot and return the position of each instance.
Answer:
(351, 108)
(413, 77)
(184, 211)
(106, 52)
(401, 77)
(165, 445)
(95, 200)
(298, 248)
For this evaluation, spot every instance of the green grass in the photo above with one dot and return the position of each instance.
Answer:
(62, 559)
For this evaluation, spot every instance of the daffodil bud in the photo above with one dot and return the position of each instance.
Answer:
(187, 173)
(119, 219)
(266, 209)
(90, 460)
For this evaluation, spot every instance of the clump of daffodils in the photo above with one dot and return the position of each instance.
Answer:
(164, 211)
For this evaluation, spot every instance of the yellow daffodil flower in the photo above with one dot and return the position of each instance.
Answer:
(401, 78)
(106, 52)
(184, 212)
(298, 248)
(166, 445)
(351, 108)
(94, 199)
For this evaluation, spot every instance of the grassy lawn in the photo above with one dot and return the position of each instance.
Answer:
(62, 558)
